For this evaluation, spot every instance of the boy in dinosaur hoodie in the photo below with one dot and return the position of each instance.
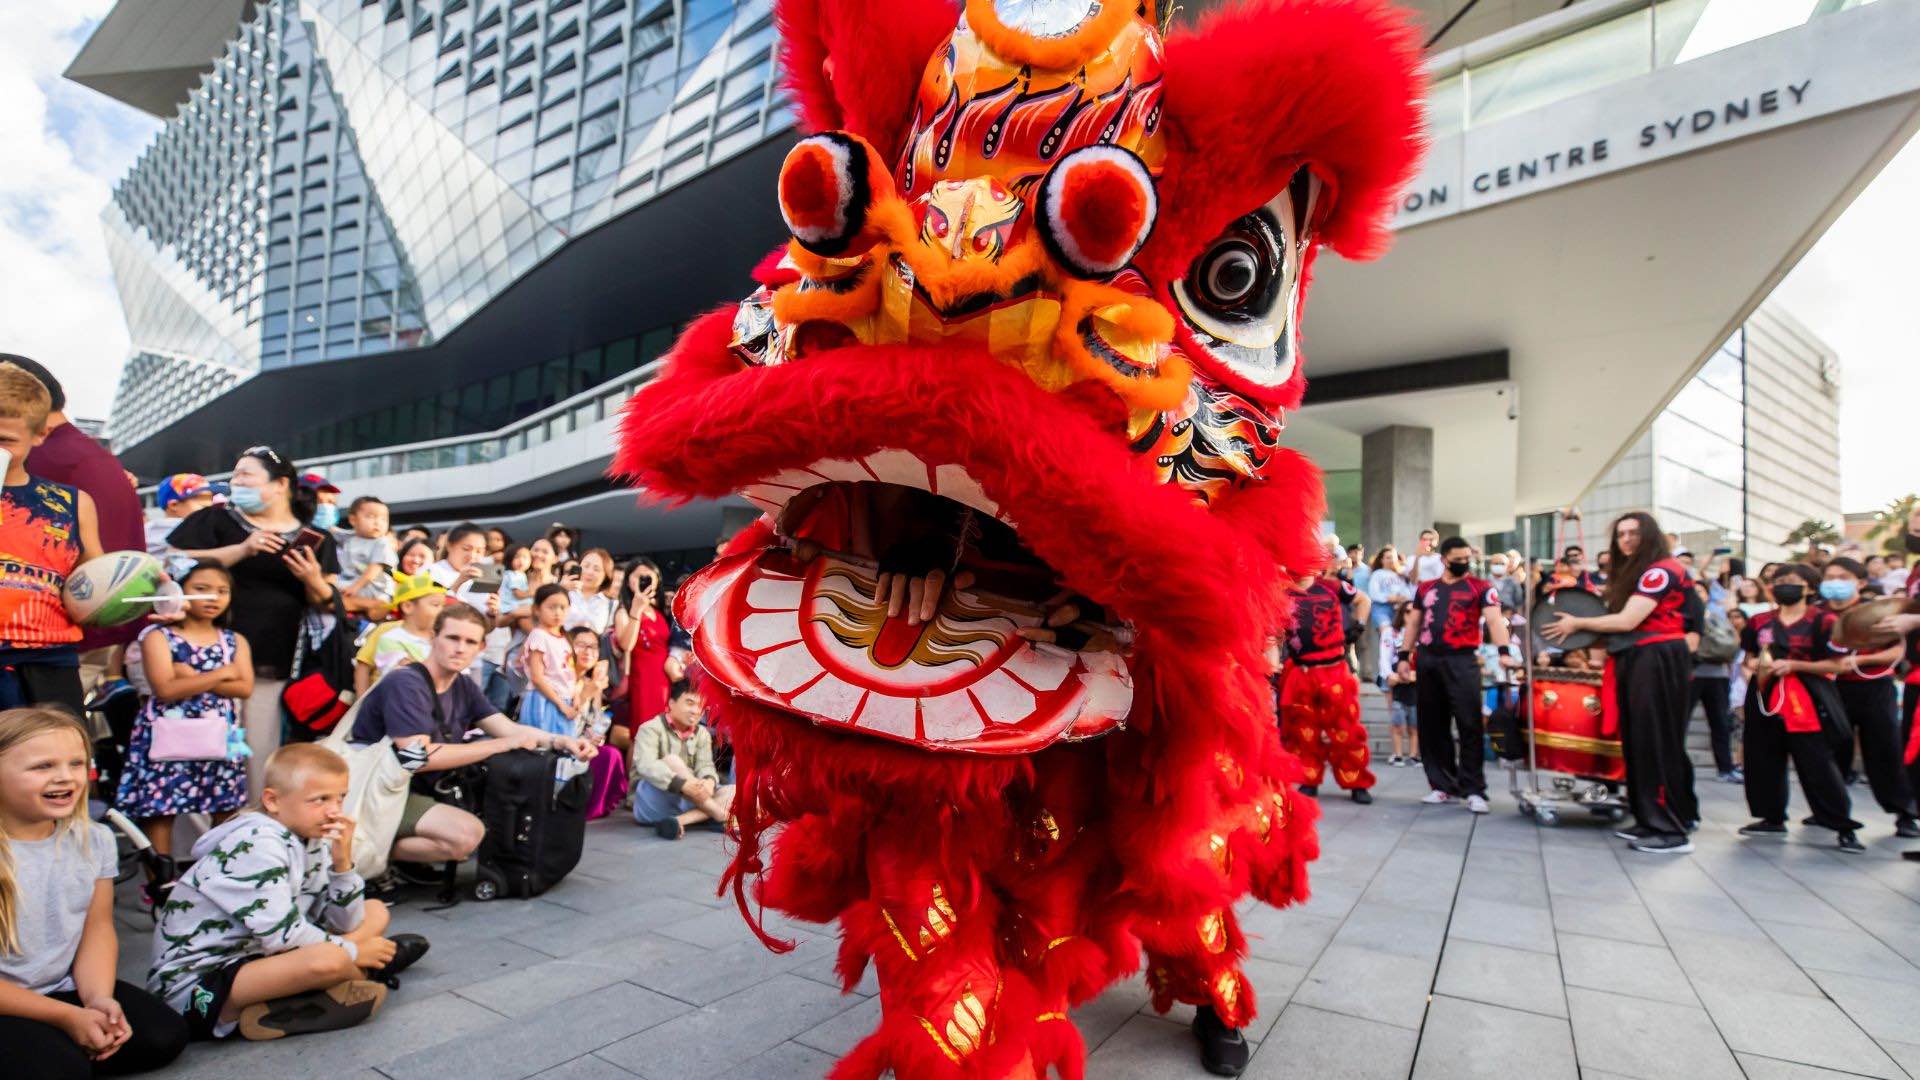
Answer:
(270, 932)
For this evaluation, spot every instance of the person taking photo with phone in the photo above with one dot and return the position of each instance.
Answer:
(282, 567)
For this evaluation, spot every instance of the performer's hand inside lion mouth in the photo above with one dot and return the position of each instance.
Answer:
(1011, 401)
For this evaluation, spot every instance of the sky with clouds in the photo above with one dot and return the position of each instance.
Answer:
(67, 146)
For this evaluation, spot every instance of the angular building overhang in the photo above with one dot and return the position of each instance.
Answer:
(1609, 282)
(150, 54)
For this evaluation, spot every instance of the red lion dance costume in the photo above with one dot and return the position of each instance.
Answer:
(1034, 332)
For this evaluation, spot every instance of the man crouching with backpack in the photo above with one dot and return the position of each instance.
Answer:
(427, 709)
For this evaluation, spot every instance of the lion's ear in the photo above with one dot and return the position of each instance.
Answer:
(854, 65)
(1256, 90)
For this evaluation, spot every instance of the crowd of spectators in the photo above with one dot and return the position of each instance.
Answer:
(465, 642)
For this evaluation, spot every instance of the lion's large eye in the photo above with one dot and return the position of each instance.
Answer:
(1237, 299)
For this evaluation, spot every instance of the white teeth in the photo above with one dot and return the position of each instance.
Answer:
(1001, 699)
(950, 717)
(955, 484)
(897, 467)
(887, 466)
(888, 715)
(830, 699)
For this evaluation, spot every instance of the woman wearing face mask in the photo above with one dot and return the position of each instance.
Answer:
(1793, 711)
(281, 568)
(1651, 671)
(1865, 685)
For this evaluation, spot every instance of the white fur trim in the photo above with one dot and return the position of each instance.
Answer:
(842, 157)
(1053, 193)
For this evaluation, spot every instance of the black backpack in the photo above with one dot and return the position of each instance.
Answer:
(535, 827)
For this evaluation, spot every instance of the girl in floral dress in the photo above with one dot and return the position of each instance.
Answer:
(198, 667)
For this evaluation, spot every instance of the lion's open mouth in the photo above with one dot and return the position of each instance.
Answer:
(800, 624)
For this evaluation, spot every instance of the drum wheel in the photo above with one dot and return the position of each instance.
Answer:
(1547, 815)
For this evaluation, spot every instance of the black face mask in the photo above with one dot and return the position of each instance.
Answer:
(1913, 544)
(1788, 595)
(1459, 567)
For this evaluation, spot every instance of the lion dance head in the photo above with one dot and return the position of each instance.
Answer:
(1034, 333)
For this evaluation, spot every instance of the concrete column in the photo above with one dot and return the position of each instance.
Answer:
(1396, 486)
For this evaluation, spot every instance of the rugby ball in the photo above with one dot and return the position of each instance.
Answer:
(113, 589)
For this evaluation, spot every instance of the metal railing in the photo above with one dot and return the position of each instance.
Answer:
(1592, 45)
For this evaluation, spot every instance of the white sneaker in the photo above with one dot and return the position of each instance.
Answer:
(1476, 804)
(1436, 798)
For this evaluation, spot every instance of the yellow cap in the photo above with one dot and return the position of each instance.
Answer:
(414, 586)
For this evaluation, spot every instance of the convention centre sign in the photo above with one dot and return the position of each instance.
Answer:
(1833, 64)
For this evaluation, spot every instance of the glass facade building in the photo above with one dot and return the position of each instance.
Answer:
(1744, 453)
(358, 178)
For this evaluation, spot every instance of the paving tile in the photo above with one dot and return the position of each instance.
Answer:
(1848, 951)
(1496, 975)
(1483, 859)
(1802, 908)
(788, 1061)
(1369, 984)
(838, 1034)
(1592, 873)
(1793, 1027)
(1906, 1054)
(1621, 920)
(719, 973)
(1766, 1068)
(821, 970)
(1711, 958)
(586, 933)
(728, 1032)
(540, 1040)
(1507, 886)
(1308, 1042)
(1145, 1048)
(1649, 1040)
(1392, 929)
(1100, 1018)
(530, 989)
(1884, 1009)
(586, 1067)
(1472, 1040)
(1289, 936)
(1497, 922)
(1415, 880)
(1682, 912)
(1652, 873)
(1624, 967)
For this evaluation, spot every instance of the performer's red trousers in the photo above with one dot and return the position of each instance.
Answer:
(1320, 722)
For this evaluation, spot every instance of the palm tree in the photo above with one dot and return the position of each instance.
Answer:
(1890, 525)
(1811, 532)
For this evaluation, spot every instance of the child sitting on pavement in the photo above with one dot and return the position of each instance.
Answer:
(270, 933)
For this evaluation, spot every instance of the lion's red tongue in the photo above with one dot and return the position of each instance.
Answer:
(811, 639)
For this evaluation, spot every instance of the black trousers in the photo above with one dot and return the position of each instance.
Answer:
(1769, 745)
(1653, 687)
(1448, 685)
(1911, 701)
(36, 1051)
(43, 684)
(1715, 698)
(1874, 712)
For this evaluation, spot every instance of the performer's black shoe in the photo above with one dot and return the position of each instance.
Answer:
(1906, 827)
(1850, 843)
(1763, 828)
(1362, 796)
(1310, 790)
(1223, 1050)
(1809, 820)
(1634, 832)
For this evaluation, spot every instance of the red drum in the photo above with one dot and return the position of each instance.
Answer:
(1572, 733)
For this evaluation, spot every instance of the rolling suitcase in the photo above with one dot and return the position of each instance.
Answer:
(535, 827)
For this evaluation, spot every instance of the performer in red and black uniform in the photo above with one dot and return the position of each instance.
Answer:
(1319, 696)
(1791, 709)
(1650, 669)
(1866, 688)
(1452, 609)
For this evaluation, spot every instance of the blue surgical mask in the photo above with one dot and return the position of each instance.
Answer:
(1837, 591)
(326, 516)
(247, 500)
